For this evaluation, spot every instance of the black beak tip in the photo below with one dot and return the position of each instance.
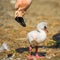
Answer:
(20, 20)
(23, 24)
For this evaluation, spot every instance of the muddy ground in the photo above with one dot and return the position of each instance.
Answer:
(14, 34)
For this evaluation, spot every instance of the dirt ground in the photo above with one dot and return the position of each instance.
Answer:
(15, 35)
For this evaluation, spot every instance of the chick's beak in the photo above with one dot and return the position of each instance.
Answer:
(45, 28)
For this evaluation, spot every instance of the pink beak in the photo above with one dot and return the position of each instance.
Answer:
(46, 30)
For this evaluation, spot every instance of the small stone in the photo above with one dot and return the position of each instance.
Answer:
(9, 55)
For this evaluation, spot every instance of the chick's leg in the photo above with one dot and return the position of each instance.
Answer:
(30, 50)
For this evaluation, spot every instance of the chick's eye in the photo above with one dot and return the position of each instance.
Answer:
(45, 27)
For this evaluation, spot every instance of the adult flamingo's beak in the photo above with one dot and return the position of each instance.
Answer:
(20, 20)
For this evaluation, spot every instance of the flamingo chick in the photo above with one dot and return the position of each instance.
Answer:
(37, 36)
(21, 6)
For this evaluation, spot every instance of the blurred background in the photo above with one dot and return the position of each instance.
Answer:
(15, 35)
